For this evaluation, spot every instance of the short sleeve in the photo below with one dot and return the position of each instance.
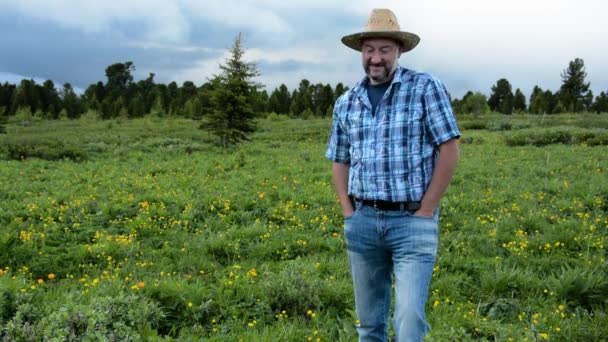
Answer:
(338, 145)
(439, 115)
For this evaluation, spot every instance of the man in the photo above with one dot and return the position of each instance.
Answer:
(394, 150)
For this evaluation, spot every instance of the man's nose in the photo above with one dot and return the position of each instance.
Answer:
(375, 58)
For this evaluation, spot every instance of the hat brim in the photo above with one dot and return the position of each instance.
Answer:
(355, 41)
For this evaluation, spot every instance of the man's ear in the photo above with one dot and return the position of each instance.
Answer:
(401, 48)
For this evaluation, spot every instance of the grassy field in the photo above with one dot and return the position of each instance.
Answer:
(144, 230)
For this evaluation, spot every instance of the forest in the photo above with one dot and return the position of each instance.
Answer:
(121, 96)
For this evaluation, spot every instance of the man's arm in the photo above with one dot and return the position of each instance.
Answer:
(340, 175)
(442, 175)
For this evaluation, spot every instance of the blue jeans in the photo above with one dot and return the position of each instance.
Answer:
(382, 244)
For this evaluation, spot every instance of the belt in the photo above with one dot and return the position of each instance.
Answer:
(386, 205)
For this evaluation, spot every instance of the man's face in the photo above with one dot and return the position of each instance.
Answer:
(380, 58)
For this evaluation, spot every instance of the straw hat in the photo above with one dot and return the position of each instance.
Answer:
(382, 23)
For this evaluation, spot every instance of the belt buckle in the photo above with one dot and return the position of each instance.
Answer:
(376, 205)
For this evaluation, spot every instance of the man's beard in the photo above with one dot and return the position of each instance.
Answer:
(378, 78)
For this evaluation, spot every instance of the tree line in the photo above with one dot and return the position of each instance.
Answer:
(121, 96)
(574, 96)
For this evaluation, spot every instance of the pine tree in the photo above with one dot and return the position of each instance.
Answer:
(284, 99)
(501, 99)
(574, 93)
(551, 101)
(71, 102)
(538, 103)
(3, 120)
(297, 104)
(50, 99)
(601, 103)
(232, 117)
(519, 101)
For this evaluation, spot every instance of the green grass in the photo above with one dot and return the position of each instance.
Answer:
(152, 232)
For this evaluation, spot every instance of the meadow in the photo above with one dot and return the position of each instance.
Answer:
(144, 230)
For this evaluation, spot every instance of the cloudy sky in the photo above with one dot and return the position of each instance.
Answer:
(469, 44)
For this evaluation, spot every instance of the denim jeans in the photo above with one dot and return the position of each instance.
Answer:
(386, 244)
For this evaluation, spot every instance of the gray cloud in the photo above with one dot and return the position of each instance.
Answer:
(469, 45)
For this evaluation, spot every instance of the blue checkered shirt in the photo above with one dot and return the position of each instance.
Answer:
(392, 153)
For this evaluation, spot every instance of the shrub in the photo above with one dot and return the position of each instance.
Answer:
(90, 116)
(23, 116)
(276, 117)
(592, 121)
(499, 125)
(557, 135)
(477, 124)
(124, 318)
(307, 114)
(19, 148)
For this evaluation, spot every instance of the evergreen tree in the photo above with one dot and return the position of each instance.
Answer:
(188, 92)
(273, 102)
(119, 78)
(146, 91)
(158, 108)
(559, 108)
(538, 103)
(173, 100)
(297, 103)
(519, 101)
(260, 105)
(50, 99)
(26, 96)
(323, 98)
(315, 96)
(119, 86)
(501, 99)
(3, 119)
(71, 102)
(601, 103)
(7, 93)
(137, 106)
(205, 93)
(160, 95)
(193, 108)
(232, 117)
(340, 89)
(551, 102)
(280, 100)
(94, 95)
(574, 94)
(303, 98)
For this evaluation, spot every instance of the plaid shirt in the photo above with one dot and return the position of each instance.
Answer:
(392, 153)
